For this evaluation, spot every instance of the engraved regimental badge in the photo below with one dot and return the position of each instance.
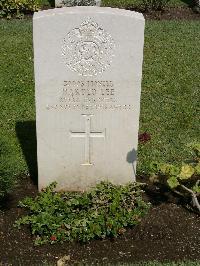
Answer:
(88, 49)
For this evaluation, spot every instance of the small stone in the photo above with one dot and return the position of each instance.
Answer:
(62, 261)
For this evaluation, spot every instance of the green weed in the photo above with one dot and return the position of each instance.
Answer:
(106, 210)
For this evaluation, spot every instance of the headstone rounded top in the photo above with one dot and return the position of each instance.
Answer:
(87, 10)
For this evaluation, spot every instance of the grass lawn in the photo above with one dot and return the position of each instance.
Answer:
(189, 263)
(170, 106)
(17, 89)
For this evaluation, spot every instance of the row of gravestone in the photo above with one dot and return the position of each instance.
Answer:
(68, 3)
(88, 70)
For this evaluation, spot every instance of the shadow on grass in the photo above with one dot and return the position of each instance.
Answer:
(26, 133)
(190, 3)
(51, 3)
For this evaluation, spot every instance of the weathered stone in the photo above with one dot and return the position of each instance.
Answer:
(70, 3)
(88, 69)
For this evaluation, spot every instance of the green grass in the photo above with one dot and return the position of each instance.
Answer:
(170, 106)
(189, 263)
(16, 89)
(155, 263)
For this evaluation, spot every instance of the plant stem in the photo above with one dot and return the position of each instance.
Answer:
(194, 197)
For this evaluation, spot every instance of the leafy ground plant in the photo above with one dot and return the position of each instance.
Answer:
(182, 180)
(9, 8)
(106, 210)
(148, 5)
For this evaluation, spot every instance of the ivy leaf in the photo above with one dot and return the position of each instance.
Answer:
(154, 167)
(197, 169)
(165, 168)
(186, 172)
(174, 170)
(196, 188)
(173, 182)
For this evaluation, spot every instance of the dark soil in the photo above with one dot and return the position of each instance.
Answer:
(169, 232)
(178, 13)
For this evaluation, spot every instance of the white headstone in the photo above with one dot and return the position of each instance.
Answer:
(88, 69)
(63, 3)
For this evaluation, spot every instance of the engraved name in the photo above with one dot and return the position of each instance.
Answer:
(88, 91)
(88, 95)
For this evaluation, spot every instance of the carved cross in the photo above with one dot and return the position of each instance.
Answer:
(87, 134)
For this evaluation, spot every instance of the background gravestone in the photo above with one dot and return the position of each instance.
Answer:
(88, 69)
(64, 3)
